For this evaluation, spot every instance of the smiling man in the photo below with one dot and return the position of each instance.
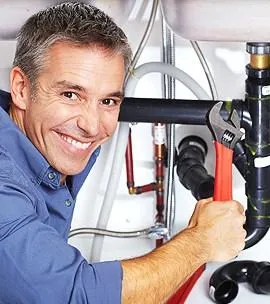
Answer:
(74, 105)
(66, 91)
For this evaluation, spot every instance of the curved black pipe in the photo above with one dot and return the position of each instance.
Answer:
(223, 284)
(190, 167)
(192, 174)
(254, 235)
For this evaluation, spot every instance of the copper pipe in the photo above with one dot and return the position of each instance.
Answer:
(159, 141)
(146, 188)
(159, 242)
(157, 186)
(129, 165)
(130, 173)
(160, 206)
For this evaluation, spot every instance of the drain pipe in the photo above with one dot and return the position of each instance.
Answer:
(193, 175)
(257, 142)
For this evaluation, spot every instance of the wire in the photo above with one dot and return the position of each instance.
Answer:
(155, 232)
(168, 52)
(145, 38)
(206, 69)
(105, 232)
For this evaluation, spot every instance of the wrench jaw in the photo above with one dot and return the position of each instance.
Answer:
(226, 132)
(228, 139)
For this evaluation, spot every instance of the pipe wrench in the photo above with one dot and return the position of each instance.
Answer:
(226, 133)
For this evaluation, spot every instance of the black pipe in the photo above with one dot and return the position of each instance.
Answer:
(190, 112)
(254, 235)
(177, 111)
(239, 158)
(257, 145)
(223, 284)
(190, 167)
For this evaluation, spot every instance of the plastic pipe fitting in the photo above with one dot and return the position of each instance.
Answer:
(223, 284)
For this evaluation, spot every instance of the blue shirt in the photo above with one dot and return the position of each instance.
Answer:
(36, 263)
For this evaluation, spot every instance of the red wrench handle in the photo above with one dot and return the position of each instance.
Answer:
(223, 173)
(222, 192)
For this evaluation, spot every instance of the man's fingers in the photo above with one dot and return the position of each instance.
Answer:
(235, 205)
(206, 200)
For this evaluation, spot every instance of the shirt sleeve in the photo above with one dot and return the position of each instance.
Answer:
(38, 266)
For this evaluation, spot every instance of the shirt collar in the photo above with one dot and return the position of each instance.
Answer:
(29, 158)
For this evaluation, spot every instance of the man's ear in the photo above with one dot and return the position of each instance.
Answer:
(19, 88)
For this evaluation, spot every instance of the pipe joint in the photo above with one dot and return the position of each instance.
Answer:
(132, 190)
(158, 231)
(223, 284)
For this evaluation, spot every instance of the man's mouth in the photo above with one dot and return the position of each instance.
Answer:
(75, 143)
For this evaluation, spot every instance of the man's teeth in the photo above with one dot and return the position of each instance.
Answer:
(75, 143)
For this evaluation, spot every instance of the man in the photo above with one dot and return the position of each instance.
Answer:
(66, 89)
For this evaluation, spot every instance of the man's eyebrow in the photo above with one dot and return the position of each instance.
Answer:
(119, 94)
(73, 86)
(69, 85)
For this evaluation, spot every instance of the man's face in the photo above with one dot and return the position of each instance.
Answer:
(76, 105)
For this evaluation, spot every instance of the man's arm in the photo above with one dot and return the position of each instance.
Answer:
(37, 265)
(215, 233)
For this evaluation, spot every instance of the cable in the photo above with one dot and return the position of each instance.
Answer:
(206, 69)
(155, 232)
(169, 92)
(144, 40)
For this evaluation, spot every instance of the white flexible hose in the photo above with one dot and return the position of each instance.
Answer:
(164, 68)
(122, 139)
(105, 212)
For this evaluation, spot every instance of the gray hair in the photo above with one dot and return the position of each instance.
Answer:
(75, 22)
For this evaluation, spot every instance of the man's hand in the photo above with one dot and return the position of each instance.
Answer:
(220, 227)
(215, 233)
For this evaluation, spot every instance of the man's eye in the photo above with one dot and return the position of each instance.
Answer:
(70, 95)
(109, 102)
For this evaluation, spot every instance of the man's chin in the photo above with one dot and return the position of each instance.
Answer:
(70, 171)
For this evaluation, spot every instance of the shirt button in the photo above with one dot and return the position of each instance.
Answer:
(51, 176)
(68, 203)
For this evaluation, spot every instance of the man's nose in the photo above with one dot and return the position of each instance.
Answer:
(89, 120)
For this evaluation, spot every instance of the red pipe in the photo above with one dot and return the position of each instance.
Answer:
(159, 168)
(129, 163)
(159, 142)
(145, 188)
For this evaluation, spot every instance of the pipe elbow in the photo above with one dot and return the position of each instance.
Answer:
(223, 284)
(254, 235)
